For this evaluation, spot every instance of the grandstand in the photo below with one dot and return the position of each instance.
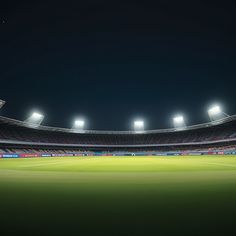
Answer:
(21, 137)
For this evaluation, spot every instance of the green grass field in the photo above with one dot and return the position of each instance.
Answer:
(118, 196)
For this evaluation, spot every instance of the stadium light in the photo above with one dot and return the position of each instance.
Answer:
(35, 119)
(36, 116)
(78, 125)
(215, 113)
(178, 119)
(215, 110)
(179, 122)
(2, 103)
(139, 125)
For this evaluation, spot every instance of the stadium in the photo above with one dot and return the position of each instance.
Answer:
(30, 139)
(117, 118)
(137, 182)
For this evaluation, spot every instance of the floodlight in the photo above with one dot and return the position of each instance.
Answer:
(35, 119)
(179, 121)
(215, 110)
(36, 116)
(2, 103)
(78, 125)
(215, 113)
(138, 125)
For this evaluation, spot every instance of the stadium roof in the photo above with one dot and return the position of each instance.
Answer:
(67, 130)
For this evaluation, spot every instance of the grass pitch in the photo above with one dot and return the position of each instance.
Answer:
(118, 195)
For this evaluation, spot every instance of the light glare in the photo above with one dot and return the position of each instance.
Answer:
(139, 126)
(215, 110)
(79, 123)
(36, 115)
(139, 123)
(35, 119)
(178, 119)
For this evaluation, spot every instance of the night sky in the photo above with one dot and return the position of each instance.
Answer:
(111, 61)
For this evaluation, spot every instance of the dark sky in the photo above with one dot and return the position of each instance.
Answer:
(114, 61)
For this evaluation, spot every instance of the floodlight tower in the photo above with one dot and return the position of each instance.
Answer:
(215, 113)
(78, 125)
(139, 125)
(179, 122)
(35, 119)
(2, 103)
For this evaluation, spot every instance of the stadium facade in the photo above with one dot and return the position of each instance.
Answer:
(23, 139)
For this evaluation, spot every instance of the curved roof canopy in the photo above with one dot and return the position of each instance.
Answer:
(58, 129)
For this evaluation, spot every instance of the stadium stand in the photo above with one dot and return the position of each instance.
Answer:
(20, 137)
